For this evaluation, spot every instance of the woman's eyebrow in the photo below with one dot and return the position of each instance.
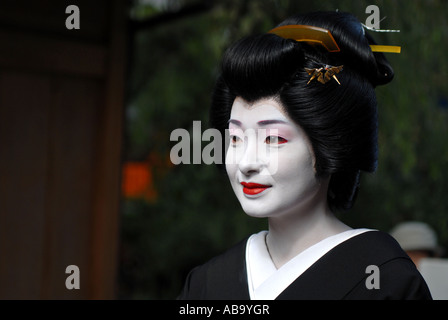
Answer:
(235, 122)
(273, 121)
(260, 123)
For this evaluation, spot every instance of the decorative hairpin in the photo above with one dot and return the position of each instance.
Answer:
(378, 30)
(324, 74)
(319, 36)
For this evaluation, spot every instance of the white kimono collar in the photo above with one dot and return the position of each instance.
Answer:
(265, 281)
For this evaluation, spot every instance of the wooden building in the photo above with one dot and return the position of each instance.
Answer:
(61, 114)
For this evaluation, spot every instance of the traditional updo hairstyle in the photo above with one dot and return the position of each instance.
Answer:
(340, 120)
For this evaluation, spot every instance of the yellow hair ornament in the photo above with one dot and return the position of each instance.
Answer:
(381, 48)
(315, 35)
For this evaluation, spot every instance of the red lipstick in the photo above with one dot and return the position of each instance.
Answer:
(253, 188)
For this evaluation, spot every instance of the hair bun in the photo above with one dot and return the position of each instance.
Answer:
(384, 73)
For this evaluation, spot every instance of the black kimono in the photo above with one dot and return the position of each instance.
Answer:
(338, 274)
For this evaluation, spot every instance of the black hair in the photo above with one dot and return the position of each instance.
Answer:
(340, 121)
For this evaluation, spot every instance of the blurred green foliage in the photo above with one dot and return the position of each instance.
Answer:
(195, 216)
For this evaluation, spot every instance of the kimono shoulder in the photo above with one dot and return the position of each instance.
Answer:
(222, 278)
(344, 273)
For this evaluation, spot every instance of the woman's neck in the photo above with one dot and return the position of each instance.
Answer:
(293, 232)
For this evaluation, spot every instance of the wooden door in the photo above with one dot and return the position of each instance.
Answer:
(61, 107)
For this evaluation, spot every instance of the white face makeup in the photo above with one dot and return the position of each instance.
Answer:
(270, 162)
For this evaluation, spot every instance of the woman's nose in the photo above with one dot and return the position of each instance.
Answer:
(251, 161)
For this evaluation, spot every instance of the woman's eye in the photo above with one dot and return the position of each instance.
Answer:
(275, 140)
(235, 140)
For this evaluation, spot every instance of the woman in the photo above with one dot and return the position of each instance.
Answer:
(299, 106)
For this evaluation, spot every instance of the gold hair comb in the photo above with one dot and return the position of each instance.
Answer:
(315, 35)
(324, 74)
